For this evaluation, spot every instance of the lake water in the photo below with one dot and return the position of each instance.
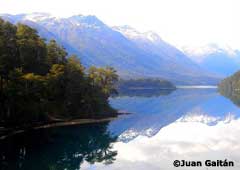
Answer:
(186, 124)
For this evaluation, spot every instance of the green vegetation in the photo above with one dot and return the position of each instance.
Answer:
(230, 87)
(39, 82)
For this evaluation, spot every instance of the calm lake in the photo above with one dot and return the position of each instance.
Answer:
(192, 124)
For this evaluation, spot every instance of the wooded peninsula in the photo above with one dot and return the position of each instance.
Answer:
(40, 82)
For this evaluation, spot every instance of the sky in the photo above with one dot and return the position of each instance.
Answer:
(184, 23)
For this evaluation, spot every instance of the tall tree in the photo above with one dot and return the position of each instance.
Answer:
(32, 50)
(8, 59)
(105, 78)
(8, 49)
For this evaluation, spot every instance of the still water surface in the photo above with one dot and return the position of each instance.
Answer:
(186, 124)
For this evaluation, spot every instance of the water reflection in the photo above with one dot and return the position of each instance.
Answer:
(181, 140)
(231, 93)
(58, 149)
(144, 92)
(189, 124)
(153, 113)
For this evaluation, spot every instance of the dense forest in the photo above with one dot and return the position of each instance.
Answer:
(40, 82)
(230, 87)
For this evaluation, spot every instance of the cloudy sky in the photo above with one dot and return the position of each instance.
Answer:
(180, 22)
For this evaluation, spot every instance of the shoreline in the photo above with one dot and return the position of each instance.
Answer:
(61, 124)
(197, 87)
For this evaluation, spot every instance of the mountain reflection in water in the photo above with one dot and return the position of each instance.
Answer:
(185, 124)
(150, 114)
(182, 140)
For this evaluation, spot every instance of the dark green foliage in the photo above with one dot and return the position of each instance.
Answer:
(230, 87)
(38, 82)
(8, 50)
(31, 50)
(55, 54)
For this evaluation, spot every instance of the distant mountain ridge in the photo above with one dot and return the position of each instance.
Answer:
(221, 60)
(145, 56)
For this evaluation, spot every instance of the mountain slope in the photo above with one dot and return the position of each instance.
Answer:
(97, 44)
(153, 44)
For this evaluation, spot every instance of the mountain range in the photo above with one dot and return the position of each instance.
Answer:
(133, 54)
(221, 60)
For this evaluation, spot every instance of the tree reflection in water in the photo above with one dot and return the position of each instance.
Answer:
(144, 92)
(58, 148)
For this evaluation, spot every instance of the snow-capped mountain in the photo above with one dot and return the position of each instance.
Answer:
(87, 22)
(152, 43)
(222, 60)
(137, 56)
(200, 52)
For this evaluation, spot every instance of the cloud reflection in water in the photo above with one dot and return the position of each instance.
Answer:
(188, 138)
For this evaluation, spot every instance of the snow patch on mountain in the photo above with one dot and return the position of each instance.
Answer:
(132, 33)
(37, 16)
(89, 21)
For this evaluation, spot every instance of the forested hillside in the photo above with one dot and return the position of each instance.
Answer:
(230, 87)
(39, 82)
